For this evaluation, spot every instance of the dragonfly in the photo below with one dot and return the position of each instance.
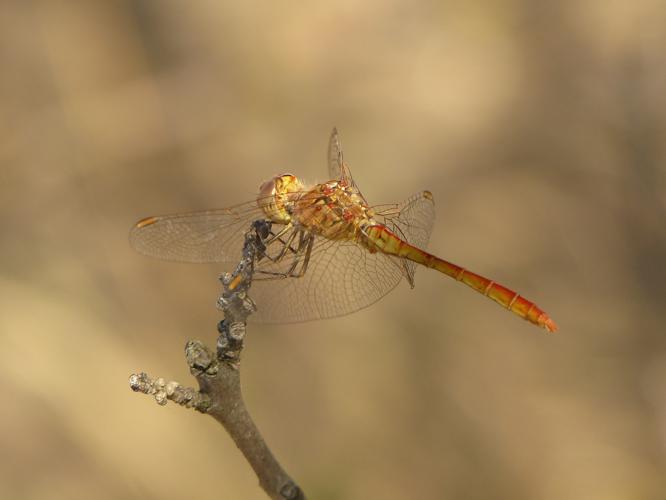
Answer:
(326, 251)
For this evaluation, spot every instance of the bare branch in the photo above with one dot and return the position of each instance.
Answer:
(218, 375)
(164, 391)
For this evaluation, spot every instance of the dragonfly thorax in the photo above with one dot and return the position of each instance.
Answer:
(334, 210)
(276, 197)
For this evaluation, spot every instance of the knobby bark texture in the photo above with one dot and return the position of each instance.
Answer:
(218, 375)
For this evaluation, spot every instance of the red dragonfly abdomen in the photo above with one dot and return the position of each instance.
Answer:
(380, 238)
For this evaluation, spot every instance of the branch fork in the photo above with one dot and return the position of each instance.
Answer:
(218, 375)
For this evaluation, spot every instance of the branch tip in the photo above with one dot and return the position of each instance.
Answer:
(163, 391)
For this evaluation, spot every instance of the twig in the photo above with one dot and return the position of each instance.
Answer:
(218, 375)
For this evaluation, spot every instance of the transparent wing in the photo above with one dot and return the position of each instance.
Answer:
(209, 236)
(334, 158)
(412, 220)
(341, 278)
(337, 169)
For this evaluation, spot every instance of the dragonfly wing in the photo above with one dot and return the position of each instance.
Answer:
(341, 278)
(337, 169)
(334, 158)
(412, 220)
(209, 236)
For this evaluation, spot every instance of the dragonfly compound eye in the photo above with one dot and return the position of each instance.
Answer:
(276, 197)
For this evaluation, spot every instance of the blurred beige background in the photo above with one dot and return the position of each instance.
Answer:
(540, 128)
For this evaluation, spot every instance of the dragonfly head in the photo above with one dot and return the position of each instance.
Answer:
(276, 197)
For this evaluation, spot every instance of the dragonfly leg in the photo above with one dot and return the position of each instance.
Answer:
(270, 239)
(286, 245)
(304, 250)
(306, 258)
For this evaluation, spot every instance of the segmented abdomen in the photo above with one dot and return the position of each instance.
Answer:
(380, 238)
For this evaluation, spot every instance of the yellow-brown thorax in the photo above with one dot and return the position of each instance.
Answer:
(333, 209)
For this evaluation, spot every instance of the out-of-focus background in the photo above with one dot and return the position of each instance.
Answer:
(540, 129)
